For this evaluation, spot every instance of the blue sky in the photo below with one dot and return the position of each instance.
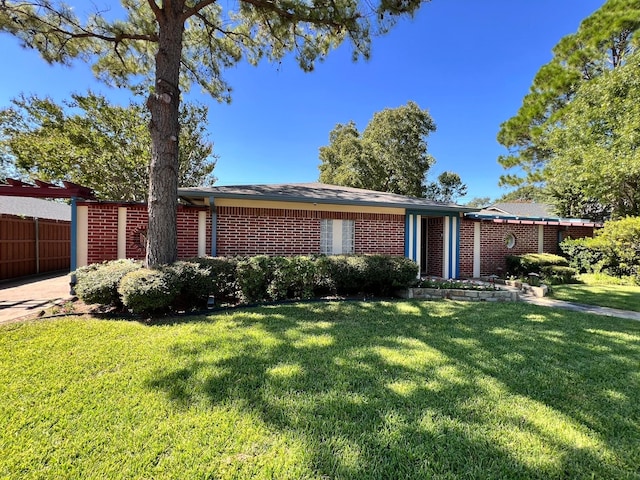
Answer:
(469, 63)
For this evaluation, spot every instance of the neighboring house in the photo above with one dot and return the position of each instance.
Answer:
(35, 236)
(446, 240)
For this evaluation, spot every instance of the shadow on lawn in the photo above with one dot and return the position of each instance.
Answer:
(417, 390)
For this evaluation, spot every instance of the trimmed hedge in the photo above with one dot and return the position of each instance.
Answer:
(551, 268)
(186, 285)
(148, 291)
(222, 276)
(98, 282)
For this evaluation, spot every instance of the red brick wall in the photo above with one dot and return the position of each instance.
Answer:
(466, 247)
(384, 235)
(493, 249)
(435, 230)
(103, 231)
(576, 232)
(270, 231)
(550, 243)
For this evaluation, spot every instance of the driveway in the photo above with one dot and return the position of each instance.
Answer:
(31, 296)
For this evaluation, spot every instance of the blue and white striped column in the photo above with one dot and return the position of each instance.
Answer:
(412, 238)
(451, 247)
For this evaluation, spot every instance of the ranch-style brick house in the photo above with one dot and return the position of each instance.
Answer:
(446, 240)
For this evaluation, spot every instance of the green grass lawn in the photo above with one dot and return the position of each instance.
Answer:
(596, 290)
(366, 390)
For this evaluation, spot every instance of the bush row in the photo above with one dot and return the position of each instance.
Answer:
(614, 250)
(187, 285)
(552, 269)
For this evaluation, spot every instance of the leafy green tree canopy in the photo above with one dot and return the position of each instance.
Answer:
(169, 45)
(596, 144)
(105, 147)
(390, 155)
(447, 189)
(603, 42)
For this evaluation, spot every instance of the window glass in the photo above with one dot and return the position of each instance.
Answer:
(326, 236)
(510, 240)
(348, 234)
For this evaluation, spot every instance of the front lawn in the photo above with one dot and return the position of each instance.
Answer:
(597, 290)
(361, 390)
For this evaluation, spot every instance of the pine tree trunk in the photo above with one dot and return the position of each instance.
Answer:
(163, 103)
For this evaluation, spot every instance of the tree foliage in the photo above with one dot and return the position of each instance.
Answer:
(170, 45)
(602, 43)
(596, 142)
(390, 155)
(447, 189)
(104, 147)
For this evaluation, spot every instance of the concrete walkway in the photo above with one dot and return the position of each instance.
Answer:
(579, 307)
(28, 297)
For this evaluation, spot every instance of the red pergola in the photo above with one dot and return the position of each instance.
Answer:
(18, 188)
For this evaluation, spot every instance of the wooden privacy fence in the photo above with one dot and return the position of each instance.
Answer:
(33, 245)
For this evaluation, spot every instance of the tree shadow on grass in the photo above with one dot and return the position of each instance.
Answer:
(424, 390)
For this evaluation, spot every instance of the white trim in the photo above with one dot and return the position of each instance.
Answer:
(82, 236)
(540, 238)
(476, 250)
(122, 232)
(202, 233)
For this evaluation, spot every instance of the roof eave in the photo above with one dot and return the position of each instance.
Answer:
(187, 193)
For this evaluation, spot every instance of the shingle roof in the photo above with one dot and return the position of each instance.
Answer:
(34, 207)
(521, 209)
(520, 212)
(319, 193)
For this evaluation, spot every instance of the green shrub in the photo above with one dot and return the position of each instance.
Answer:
(98, 283)
(347, 273)
(371, 274)
(583, 254)
(523, 265)
(254, 274)
(615, 249)
(148, 291)
(263, 278)
(557, 274)
(222, 275)
(192, 283)
(547, 267)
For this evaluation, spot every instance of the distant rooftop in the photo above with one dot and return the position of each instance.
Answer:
(35, 207)
(522, 209)
(318, 193)
(522, 212)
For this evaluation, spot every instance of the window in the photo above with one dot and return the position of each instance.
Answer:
(510, 240)
(337, 236)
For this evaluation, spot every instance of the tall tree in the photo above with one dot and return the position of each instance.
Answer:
(603, 42)
(174, 43)
(596, 142)
(525, 193)
(88, 141)
(342, 161)
(390, 155)
(448, 188)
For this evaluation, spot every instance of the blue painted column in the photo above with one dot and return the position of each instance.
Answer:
(451, 247)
